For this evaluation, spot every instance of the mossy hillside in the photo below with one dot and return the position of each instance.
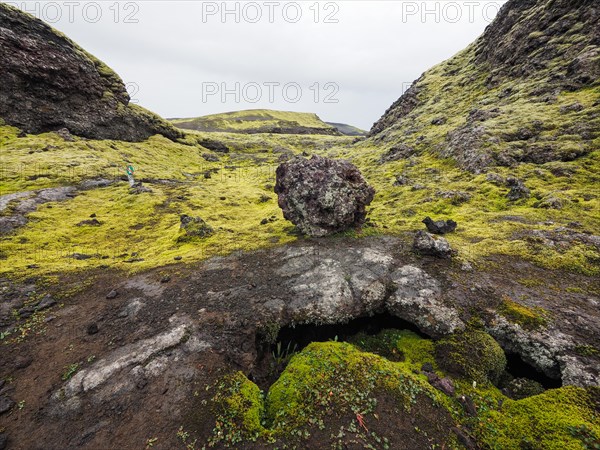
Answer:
(253, 120)
(234, 200)
(489, 223)
(455, 88)
(338, 379)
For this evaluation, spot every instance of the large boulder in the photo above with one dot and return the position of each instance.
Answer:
(49, 84)
(322, 196)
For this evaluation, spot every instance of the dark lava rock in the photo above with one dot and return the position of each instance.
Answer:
(80, 256)
(92, 328)
(518, 190)
(5, 404)
(210, 157)
(165, 279)
(322, 196)
(427, 367)
(439, 121)
(464, 439)
(89, 223)
(213, 145)
(440, 226)
(3, 441)
(427, 244)
(194, 227)
(26, 312)
(401, 180)
(396, 153)
(51, 84)
(112, 294)
(47, 302)
(139, 188)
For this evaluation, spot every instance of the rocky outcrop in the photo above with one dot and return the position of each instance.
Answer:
(322, 196)
(501, 101)
(49, 83)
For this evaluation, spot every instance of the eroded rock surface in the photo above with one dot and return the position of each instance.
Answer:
(322, 196)
(51, 84)
(155, 343)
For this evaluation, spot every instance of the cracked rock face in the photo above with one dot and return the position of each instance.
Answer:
(49, 84)
(322, 196)
(217, 310)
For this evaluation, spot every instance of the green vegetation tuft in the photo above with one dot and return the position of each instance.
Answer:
(472, 354)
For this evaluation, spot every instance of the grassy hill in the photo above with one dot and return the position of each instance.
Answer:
(258, 121)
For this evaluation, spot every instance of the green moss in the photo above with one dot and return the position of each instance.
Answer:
(547, 421)
(472, 354)
(239, 409)
(322, 379)
(530, 318)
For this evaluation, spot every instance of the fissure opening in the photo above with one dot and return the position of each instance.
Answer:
(274, 356)
(520, 369)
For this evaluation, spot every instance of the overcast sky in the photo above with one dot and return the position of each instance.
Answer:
(347, 61)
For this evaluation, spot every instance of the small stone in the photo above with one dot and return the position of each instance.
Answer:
(468, 405)
(401, 180)
(92, 328)
(25, 313)
(427, 244)
(47, 302)
(264, 221)
(3, 441)
(178, 258)
(466, 267)
(427, 367)
(191, 227)
(22, 362)
(5, 404)
(89, 223)
(165, 279)
(445, 385)
(112, 294)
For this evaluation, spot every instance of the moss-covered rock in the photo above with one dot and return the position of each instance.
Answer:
(559, 419)
(472, 354)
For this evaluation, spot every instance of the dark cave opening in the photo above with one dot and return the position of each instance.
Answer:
(302, 335)
(521, 369)
(273, 357)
